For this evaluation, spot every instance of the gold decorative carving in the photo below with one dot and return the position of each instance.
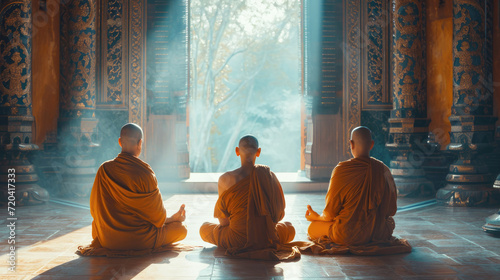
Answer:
(15, 57)
(351, 104)
(78, 56)
(375, 19)
(113, 74)
(409, 81)
(137, 99)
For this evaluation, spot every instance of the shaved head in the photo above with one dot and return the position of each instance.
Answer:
(249, 144)
(248, 150)
(361, 141)
(130, 139)
(132, 132)
(361, 134)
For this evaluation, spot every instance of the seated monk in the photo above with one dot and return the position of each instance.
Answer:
(250, 206)
(360, 203)
(127, 206)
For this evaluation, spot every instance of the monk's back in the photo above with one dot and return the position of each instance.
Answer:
(126, 204)
(235, 202)
(132, 174)
(366, 193)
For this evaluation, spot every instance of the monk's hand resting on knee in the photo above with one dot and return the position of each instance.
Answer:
(312, 215)
(180, 216)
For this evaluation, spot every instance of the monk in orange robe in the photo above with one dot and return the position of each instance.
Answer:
(250, 207)
(127, 206)
(360, 203)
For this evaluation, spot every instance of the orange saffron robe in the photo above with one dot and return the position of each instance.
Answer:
(254, 207)
(360, 203)
(128, 209)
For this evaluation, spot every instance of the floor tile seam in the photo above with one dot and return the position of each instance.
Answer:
(52, 259)
(473, 242)
(417, 211)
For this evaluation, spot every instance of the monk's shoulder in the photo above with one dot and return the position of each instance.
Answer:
(380, 168)
(343, 165)
(225, 181)
(224, 177)
(261, 170)
(379, 164)
(106, 165)
(262, 167)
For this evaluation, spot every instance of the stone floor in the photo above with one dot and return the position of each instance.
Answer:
(448, 243)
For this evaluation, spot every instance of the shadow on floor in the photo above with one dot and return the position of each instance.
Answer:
(223, 267)
(106, 268)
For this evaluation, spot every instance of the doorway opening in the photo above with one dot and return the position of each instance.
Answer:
(245, 78)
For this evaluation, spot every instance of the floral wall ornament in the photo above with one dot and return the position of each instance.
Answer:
(15, 57)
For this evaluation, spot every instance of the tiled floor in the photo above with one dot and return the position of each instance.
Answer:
(448, 243)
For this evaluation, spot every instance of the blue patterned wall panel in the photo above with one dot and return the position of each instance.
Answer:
(376, 92)
(15, 58)
(113, 55)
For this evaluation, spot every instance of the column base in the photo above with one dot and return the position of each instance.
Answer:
(466, 195)
(78, 152)
(79, 171)
(468, 184)
(24, 187)
(410, 178)
(406, 142)
(436, 163)
(493, 224)
(414, 186)
(49, 165)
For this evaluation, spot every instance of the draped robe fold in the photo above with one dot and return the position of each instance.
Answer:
(360, 203)
(254, 207)
(128, 211)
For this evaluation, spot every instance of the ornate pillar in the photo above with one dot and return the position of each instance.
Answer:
(17, 174)
(472, 121)
(408, 121)
(77, 122)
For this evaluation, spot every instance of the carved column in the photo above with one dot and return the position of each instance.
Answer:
(17, 174)
(77, 122)
(472, 121)
(408, 121)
